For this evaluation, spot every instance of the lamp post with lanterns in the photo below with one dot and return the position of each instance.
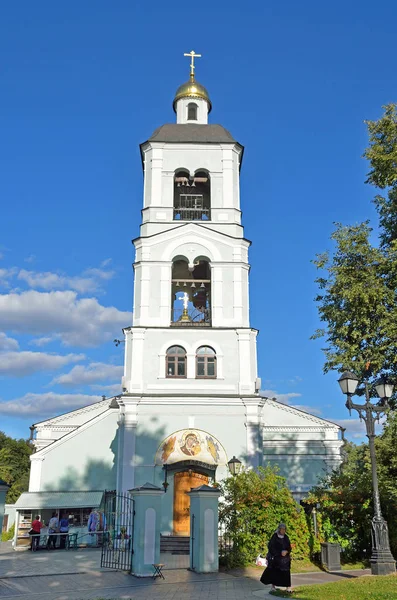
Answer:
(382, 561)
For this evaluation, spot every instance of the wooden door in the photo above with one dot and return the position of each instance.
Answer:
(184, 482)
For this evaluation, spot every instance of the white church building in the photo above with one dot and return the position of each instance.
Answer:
(191, 392)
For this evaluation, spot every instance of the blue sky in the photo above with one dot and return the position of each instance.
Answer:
(83, 83)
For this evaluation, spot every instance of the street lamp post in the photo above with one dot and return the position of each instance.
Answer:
(382, 561)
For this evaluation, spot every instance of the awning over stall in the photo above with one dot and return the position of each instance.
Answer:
(53, 500)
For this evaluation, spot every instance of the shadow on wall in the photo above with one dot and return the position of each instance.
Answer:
(95, 475)
(301, 462)
(99, 474)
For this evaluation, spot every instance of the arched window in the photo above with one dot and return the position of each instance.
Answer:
(192, 196)
(191, 292)
(176, 362)
(206, 362)
(192, 111)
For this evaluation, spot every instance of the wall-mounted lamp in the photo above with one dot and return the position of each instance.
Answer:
(165, 482)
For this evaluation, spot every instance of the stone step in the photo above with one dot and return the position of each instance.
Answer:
(175, 544)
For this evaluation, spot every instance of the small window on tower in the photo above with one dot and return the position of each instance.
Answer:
(192, 111)
(206, 363)
(176, 362)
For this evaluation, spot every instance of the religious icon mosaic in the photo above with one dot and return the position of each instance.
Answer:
(194, 443)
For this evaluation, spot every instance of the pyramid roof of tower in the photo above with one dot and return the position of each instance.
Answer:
(192, 133)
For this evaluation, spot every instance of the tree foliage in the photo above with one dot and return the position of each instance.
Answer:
(253, 504)
(357, 301)
(14, 465)
(358, 285)
(345, 496)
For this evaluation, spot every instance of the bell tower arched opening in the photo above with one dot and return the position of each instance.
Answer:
(192, 196)
(191, 292)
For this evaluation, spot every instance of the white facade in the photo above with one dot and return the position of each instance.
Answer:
(190, 353)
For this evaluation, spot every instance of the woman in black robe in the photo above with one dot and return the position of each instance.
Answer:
(278, 570)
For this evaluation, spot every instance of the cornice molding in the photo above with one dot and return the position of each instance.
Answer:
(67, 416)
(304, 415)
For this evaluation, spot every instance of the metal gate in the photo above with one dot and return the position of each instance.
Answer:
(117, 549)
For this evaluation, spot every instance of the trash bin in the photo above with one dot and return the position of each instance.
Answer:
(330, 556)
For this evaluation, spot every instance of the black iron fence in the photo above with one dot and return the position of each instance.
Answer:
(119, 529)
(226, 545)
(191, 318)
(192, 214)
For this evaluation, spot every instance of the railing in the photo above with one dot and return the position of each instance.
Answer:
(226, 545)
(191, 317)
(192, 214)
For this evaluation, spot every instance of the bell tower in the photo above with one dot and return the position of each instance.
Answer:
(191, 343)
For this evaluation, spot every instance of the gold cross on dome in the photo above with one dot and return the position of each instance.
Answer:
(192, 55)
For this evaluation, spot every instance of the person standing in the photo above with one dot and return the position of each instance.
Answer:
(37, 526)
(93, 525)
(278, 570)
(63, 530)
(53, 526)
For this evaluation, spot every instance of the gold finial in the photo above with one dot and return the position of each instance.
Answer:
(192, 55)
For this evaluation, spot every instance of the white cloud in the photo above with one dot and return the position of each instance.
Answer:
(289, 399)
(82, 322)
(91, 374)
(113, 389)
(106, 262)
(42, 341)
(356, 428)
(89, 281)
(20, 364)
(284, 398)
(7, 344)
(6, 275)
(47, 404)
(308, 409)
(31, 258)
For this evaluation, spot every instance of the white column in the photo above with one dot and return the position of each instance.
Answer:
(36, 463)
(156, 173)
(138, 339)
(144, 296)
(216, 293)
(127, 359)
(165, 294)
(191, 365)
(127, 423)
(246, 379)
(228, 176)
(238, 296)
(253, 424)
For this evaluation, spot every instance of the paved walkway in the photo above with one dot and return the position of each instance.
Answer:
(76, 575)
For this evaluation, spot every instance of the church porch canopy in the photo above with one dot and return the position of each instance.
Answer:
(59, 500)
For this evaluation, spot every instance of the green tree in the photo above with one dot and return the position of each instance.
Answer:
(357, 297)
(382, 156)
(357, 302)
(254, 503)
(345, 495)
(345, 501)
(14, 465)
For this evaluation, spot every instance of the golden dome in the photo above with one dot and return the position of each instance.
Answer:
(192, 89)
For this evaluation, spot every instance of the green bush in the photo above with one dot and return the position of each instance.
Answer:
(8, 535)
(254, 503)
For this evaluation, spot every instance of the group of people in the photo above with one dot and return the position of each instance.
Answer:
(57, 528)
(278, 570)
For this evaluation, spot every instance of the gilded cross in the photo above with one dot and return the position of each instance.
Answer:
(192, 55)
(185, 300)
